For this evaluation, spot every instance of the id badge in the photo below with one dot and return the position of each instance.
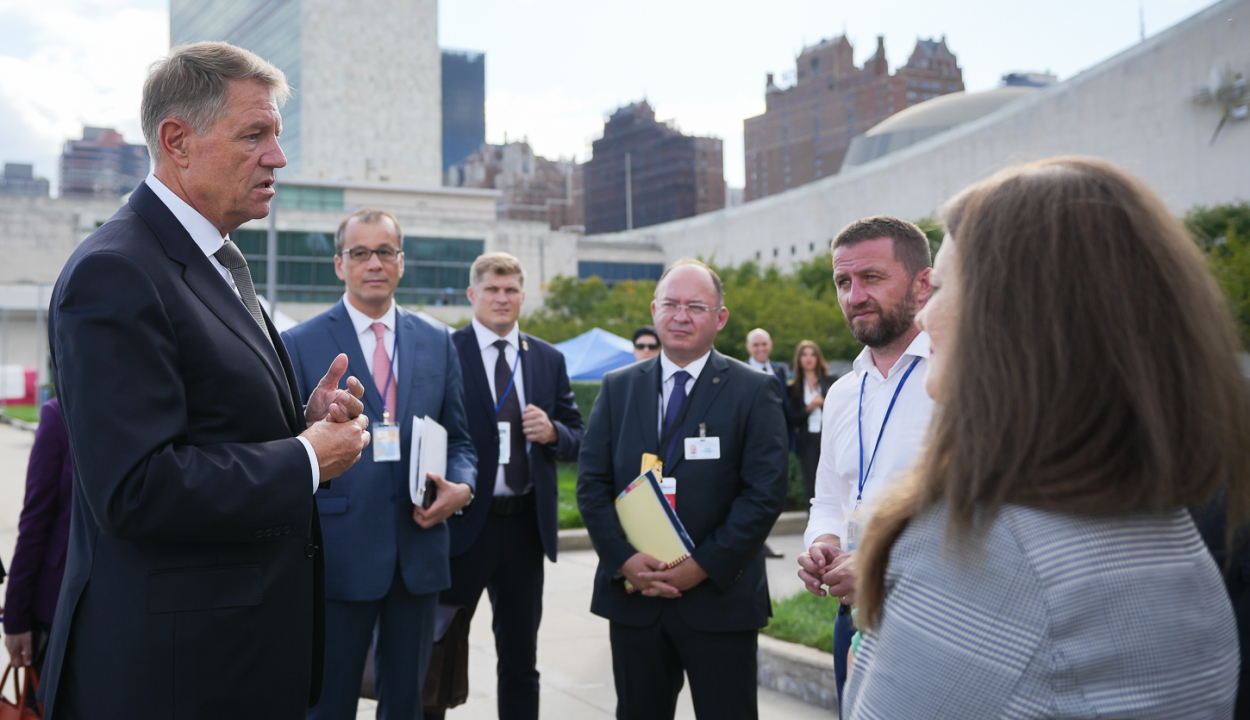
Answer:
(854, 530)
(386, 443)
(505, 442)
(702, 448)
(668, 486)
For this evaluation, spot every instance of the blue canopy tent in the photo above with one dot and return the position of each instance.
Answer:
(592, 354)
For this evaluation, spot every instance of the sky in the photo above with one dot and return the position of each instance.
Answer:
(556, 68)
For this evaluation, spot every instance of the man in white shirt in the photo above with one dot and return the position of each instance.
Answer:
(876, 417)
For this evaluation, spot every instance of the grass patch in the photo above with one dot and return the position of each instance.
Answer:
(29, 413)
(566, 483)
(804, 619)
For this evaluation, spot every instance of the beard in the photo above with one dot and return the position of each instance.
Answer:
(889, 326)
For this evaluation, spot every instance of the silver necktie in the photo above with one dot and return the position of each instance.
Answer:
(233, 260)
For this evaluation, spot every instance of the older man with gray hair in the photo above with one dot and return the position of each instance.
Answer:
(194, 585)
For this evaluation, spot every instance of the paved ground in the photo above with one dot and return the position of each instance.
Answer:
(573, 653)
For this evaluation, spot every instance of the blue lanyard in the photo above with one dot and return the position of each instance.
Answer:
(390, 372)
(511, 381)
(863, 471)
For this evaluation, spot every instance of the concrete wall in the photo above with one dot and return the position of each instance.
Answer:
(37, 234)
(372, 106)
(1135, 109)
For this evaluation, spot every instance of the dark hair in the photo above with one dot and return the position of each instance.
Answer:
(720, 288)
(368, 215)
(911, 246)
(646, 330)
(822, 368)
(1093, 367)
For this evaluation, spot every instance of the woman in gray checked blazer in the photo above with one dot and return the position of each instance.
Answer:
(1039, 563)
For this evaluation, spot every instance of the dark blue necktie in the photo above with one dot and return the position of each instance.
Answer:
(675, 403)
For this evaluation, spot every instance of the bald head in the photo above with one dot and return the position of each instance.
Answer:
(760, 345)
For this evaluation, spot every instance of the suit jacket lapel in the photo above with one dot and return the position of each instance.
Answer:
(712, 380)
(205, 281)
(344, 334)
(407, 343)
(475, 384)
(648, 404)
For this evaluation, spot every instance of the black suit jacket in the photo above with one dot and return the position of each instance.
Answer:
(193, 586)
(797, 409)
(546, 386)
(728, 506)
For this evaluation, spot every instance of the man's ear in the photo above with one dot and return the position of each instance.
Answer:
(176, 138)
(922, 287)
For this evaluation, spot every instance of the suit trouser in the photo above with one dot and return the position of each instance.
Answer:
(405, 632)
(843, 631)
(507, 561)
(648, 663)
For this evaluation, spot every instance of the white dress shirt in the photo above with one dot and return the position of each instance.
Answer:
(209, 239)
(369, 339)
(809, 394)
(486, 339)
(668, 369)
(837, 475)
(766, 367)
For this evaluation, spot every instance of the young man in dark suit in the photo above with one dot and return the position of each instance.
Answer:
(522, 418)
(386, 558)
(194, 582)
(719, 427)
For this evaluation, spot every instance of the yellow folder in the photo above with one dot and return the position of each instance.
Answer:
(650, 523)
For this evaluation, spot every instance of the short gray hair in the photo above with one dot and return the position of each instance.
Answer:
(192, 85)
(716, 283)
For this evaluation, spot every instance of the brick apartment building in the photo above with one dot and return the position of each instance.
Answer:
(102, 165)
(672, 175)
(805, 130)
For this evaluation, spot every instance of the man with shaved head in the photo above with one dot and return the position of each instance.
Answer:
(719, 427)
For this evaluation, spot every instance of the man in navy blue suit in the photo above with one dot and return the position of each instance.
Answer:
(386, 558)
(522, 418)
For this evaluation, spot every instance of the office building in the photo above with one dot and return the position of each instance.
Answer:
(19, 179)
(366, 75)
(102, 165)
(670, 175)
(464, 104)
(530, 186)
(804, 133)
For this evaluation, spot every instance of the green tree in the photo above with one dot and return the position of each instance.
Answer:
(1223, 234)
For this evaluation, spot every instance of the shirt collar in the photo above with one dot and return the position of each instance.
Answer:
(487, 337)
(761, 366)
(204, 233)
(363, 323)
(919, 348)
(668, 368)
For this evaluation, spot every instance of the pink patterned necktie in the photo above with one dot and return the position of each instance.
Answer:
(382, 371)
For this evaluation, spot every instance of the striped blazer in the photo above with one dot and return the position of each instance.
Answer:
(1052, 615)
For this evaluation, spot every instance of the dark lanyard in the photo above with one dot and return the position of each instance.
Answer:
(863, 471)
(511, 380)
(390, 373)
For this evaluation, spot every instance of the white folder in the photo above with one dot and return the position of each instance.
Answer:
(429, 454)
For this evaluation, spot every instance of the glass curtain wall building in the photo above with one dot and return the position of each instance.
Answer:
(464, 104)
(269, 28)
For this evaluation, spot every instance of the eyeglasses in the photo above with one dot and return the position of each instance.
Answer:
(385, 254)
(646, 346)
(668, 307)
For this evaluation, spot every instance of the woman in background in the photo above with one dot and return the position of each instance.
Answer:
(1084, 367)
(806, 403)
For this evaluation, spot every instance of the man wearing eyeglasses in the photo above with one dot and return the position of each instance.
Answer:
(386, 557)
(719, 427)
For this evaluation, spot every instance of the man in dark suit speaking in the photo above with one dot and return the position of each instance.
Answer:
(702, 616)
(194, 580)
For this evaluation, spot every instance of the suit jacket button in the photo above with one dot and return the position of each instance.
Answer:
(310, 550)
(260, 534)
(286, 530)
(269, 532)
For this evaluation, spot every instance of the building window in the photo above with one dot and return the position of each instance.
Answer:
(299, 197)
(794, 250)
(612, 273)
(811, 247)
(436, 270)
(774, 252)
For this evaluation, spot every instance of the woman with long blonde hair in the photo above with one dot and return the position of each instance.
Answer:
(1085, 371)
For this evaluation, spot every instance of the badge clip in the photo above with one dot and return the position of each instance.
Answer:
(702, 430)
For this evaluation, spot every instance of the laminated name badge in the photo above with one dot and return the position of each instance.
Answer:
(386, 443)
(702, 447)
(505, 442)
